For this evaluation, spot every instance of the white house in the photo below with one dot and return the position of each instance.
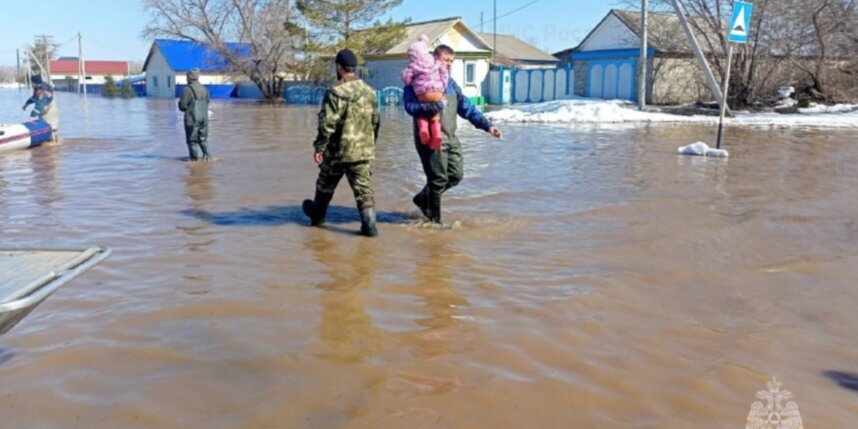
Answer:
(65, 73)
(169, 60)
(470, 69)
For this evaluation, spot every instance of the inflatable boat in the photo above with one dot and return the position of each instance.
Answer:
(29, 275)
(23, 136)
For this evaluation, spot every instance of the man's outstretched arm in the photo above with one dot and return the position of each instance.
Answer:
(467, 110)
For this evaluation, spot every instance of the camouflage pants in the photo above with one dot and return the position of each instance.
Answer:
(359, 175)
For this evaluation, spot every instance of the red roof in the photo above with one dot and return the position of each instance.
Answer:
(92, 67)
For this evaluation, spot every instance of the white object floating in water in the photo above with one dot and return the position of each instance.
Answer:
(702, 149)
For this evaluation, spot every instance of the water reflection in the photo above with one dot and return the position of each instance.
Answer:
(483, 317)
(433, 284)
(198, 184)
(846, 380)
(30, 191)
(200, 191)
(45, 164)
(345, 327)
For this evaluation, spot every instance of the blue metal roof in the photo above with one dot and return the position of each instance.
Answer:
(184, 55)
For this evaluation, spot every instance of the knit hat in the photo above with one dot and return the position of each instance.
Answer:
(194, 74)
(346, 58)
(36, 78)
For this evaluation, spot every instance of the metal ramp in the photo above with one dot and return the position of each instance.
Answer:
(29, 275)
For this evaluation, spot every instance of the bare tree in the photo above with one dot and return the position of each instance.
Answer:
(44, 50)
(8, 74)
(792, 41)
(135, 67)
(815, 39)
(267, 34)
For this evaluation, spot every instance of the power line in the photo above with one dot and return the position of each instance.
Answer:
(105, 45)
(518, 9)
(66, 42)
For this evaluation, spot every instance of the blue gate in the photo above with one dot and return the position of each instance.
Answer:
(390, 96)
(303, 94)
(314, 95)
(531, 85)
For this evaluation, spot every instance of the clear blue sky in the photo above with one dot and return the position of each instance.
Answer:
(112, 28)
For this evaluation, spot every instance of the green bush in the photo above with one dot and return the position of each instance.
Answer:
(110, 89)
(127, 91)
(803, 103)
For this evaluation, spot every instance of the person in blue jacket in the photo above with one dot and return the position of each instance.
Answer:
(42, 98)
(443, 167)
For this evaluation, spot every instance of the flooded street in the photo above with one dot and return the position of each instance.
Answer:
(593, 278)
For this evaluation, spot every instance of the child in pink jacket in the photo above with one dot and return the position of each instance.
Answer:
(429, 79)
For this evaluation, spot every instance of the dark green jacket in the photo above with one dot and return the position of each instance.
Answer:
(188, 97)
(348, 122)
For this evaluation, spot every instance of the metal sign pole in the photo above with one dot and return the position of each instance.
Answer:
(725, 92)
(740, 23)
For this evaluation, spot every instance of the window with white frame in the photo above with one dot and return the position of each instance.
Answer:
(470, 74)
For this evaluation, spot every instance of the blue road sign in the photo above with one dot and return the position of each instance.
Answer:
(741, 22)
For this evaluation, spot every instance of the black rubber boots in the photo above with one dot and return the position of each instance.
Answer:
(367, 222)
(317, 208)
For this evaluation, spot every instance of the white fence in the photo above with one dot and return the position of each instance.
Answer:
(516, 85)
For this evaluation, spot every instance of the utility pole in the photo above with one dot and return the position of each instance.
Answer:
(701, 59)
(481, 21)
(81, 64)
(18, 61)
(80, 75)
(643, 66)
(29, 72)
(495, 31)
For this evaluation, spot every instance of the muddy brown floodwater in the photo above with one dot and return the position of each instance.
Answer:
(593, 279)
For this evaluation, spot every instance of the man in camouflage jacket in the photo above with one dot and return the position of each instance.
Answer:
(345, 144)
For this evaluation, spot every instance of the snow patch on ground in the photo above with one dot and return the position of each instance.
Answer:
(703, 149)
(837, 108)
(589, 111)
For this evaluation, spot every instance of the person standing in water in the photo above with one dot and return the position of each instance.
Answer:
(443, 167)
(44, 107)
(195, 104)
(345, 144)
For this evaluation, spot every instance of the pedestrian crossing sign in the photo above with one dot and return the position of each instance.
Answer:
(740, 23)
